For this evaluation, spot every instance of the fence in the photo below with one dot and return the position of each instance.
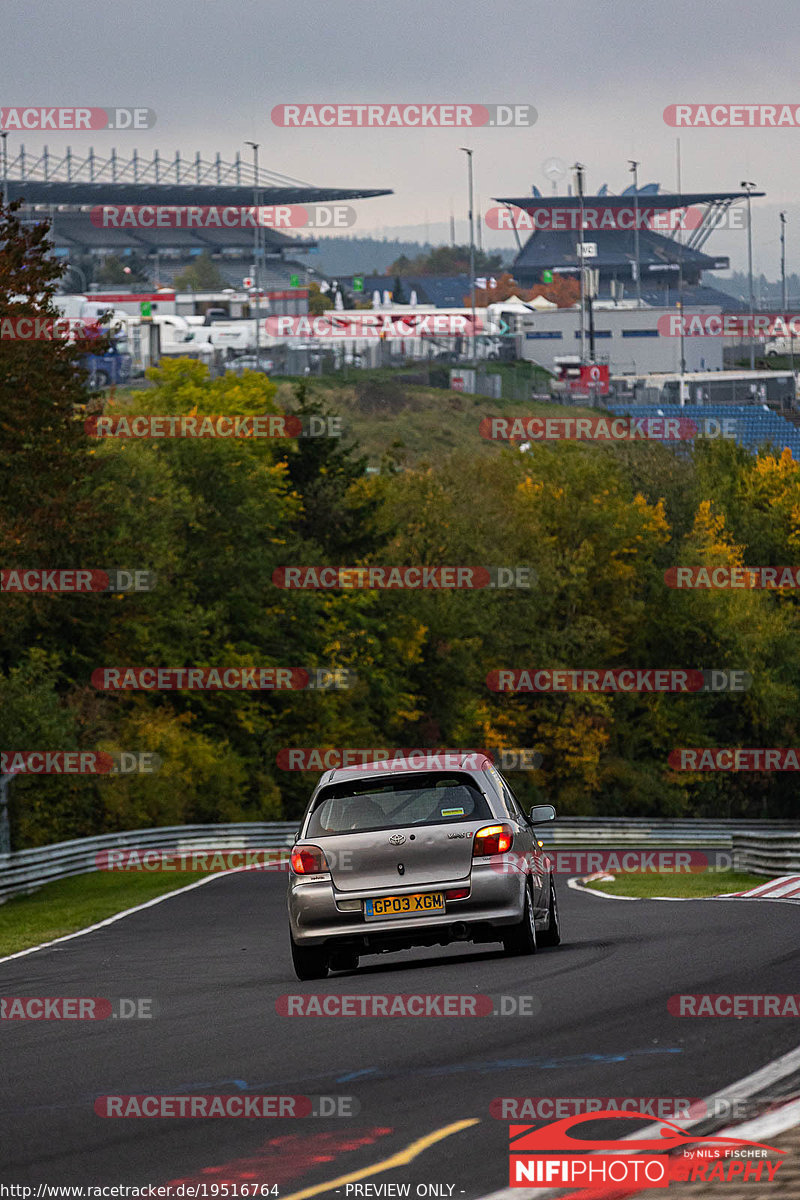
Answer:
(26, 870)
(767, 852)
(764, 847)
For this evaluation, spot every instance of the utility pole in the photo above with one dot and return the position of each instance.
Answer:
(256, 244)
(784, 296)
(578, 168)
(4, 136)
(749, 187)
(471, 254)
(680, 277)
(634, 168)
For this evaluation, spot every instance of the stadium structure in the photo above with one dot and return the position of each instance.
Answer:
(65, 188)
(661, 258)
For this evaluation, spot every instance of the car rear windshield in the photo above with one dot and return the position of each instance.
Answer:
(431, 798)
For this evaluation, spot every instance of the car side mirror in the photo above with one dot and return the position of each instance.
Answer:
(542, 812)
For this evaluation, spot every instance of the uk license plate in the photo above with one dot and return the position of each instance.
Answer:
(419, 904)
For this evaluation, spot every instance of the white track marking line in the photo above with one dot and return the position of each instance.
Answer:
(117, 916)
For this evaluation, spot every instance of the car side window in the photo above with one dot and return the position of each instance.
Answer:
(511, 802)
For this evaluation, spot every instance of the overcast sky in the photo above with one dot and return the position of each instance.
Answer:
(598, 74)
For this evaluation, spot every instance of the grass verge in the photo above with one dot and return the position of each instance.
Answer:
(679, 886)
(68, 905)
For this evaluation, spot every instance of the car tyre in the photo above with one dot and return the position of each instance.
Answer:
(344, 960)
(552, 937)
(310, 962)
(521, 938)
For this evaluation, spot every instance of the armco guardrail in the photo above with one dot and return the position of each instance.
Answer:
(767, 852)
(26, 870)
(770, 847)
(654, 832)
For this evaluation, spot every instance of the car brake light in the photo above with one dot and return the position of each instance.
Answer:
(456, 894)
(308, 860)
(492, 839)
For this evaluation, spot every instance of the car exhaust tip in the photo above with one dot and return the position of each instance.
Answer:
(458, 932)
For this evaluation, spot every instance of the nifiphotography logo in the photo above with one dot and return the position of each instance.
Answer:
(551, 1157)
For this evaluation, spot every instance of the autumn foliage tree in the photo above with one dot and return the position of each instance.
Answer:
(563, 291)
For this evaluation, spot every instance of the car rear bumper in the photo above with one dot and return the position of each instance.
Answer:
(496, 899)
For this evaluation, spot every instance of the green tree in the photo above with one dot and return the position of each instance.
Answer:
(446, 260)
(129, 270)
(202, 275)
(47, 516)
(318, 302)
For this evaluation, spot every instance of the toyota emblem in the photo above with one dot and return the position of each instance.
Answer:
(397, 839)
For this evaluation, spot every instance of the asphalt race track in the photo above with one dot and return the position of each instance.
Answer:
(215, 960)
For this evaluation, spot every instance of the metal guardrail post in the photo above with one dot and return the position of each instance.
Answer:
(5, 827)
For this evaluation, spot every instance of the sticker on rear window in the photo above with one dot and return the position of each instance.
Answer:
(452, 812)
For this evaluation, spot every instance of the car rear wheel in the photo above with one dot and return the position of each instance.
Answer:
(344, 960)
(553, 935)
(521, 938)
(310, 962)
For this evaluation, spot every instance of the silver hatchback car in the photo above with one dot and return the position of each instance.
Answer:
(417, 852)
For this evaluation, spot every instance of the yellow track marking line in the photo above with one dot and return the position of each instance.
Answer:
(401, 1159)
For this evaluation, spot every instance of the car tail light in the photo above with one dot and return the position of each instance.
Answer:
(492, 839)
(308, 860)
(456, 894)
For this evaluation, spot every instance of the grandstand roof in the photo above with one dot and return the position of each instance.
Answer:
(40, 191)
(67, 187)
(662, 200)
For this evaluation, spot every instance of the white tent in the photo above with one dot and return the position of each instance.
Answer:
(541, 302)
